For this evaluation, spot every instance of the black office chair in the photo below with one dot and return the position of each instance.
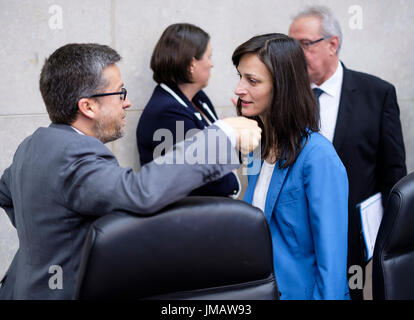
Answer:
(393, 259)
(197, 248)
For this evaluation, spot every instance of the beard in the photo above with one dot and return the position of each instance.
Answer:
(107, 131)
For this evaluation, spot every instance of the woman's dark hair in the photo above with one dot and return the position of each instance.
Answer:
(293, 113)
(172, 55)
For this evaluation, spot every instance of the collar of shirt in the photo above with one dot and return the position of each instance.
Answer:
(333, 85)
(78, 131)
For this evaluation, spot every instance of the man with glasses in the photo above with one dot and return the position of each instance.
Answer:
(359, 115)
(63, 177)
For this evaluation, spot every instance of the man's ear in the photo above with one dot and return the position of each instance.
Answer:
(334, 45)
(88, 107)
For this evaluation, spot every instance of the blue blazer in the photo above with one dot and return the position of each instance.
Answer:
(162, 112)
(307, 211)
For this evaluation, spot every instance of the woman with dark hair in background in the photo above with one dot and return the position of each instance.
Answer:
(181, 63)
(302, 185)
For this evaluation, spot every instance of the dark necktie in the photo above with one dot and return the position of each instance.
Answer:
(317, 92)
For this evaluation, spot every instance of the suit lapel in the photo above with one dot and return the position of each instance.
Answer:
(345, 109)
(276, 184)
(203, 105)
(201, 124)
(189, 107)
(273, 192)
(252, 178)
(248, 196)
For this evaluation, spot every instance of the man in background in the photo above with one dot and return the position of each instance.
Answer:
(359, 115)
(63, 177)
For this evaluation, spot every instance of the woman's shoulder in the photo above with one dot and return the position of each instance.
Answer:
(317, 145)
(320, 154)
(161, 98)
(161, 102)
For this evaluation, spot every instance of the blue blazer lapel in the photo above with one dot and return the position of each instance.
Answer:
(252, 178)
(276, 184)
(248, 196)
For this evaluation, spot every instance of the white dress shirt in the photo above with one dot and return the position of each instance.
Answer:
(329, 102)
(262, 185)
(78, 131)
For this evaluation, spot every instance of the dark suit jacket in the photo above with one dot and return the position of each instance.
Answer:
(368, 139)
(163, 111)
(59, 183)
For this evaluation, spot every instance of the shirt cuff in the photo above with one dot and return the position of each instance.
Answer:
(228, 130)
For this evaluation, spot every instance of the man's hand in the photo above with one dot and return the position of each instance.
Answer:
(248, 133)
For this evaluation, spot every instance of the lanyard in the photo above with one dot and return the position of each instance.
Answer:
(176, 97)
(171, 92)
(205, 106)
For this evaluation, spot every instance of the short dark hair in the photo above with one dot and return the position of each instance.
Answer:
(72, 72)
(172, 55)
(293, 113)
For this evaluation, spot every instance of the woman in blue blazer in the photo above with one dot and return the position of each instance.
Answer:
(302, 185)
(181, 63)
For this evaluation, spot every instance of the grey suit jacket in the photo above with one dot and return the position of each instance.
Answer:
(61, 181)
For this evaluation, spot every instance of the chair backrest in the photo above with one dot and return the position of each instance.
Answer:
(197, 248)
(393, 260)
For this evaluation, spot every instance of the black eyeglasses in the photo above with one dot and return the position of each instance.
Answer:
(306, 44)
(122, 93)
